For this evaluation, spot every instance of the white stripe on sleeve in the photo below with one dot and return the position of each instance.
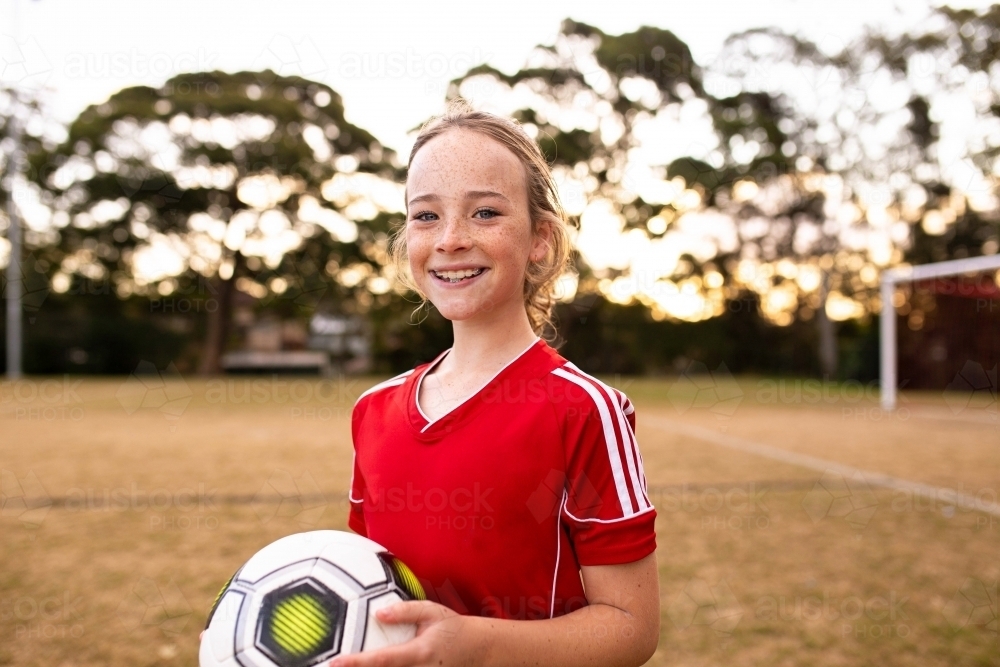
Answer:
(610, 440)
(391, 382)
(627, 441)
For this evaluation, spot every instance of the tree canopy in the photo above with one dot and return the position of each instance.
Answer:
(815, 169)
(219, 182)
(784, 173)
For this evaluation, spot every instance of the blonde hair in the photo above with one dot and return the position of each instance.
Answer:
(543, 207)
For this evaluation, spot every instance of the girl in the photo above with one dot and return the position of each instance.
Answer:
(506, 478)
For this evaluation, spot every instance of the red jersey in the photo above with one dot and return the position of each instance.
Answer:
(496, 504)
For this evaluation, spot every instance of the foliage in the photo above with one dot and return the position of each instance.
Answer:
(784, 174)
(214, 181)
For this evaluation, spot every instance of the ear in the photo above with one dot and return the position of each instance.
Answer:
(542, 238)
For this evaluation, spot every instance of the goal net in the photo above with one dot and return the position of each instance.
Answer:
(942, 332)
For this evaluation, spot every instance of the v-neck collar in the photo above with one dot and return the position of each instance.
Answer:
(420, 421)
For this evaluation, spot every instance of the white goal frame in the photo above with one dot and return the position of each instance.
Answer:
(887, 318)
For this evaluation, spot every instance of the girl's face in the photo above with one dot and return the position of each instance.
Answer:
(468, 230)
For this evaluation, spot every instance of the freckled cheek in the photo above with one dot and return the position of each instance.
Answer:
(510, 248)
(509, 266)
(417, 252)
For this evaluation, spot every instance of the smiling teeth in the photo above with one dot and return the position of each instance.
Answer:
(455, 276)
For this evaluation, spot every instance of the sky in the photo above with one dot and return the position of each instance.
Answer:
(390, 61)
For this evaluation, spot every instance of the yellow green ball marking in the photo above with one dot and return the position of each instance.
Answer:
(299, 624)
(407, 579)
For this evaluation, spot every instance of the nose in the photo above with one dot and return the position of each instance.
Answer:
(454, 235)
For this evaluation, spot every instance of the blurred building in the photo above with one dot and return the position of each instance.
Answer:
(345, 338)
(331, 344)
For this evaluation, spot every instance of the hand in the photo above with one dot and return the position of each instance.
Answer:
(443, 639)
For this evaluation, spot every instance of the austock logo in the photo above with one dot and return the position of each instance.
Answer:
(149, 389)
(34, 285)
(154, 182)
(284, 496)
(24, 499)
(147, 604)
(738, 507)
(546, 500)
(23, 63)
(699, 388)
(51, 617)
(582, 304)
(835, 495)
(973, 390)
(284, 57)
(41, 400)
(872, 617)
(702, 604)
(974, 605)
(296, 286)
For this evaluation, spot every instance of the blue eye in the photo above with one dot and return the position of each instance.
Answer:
(488, 213)
(421, 216)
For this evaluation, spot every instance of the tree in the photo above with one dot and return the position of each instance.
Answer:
(866, 181)
(807, 171)
(219, 182)
(593, 100)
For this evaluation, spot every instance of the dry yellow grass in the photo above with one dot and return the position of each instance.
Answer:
(142, 509)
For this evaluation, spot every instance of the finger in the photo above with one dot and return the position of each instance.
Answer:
(402, 655)
(415, 611)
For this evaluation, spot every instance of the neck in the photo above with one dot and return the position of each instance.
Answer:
(485, 345)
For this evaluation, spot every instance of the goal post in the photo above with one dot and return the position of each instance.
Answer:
(887, 329)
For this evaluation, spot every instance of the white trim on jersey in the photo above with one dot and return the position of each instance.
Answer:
(623, 401)
(628, 409)
(628, 440)
(416, 395)
(614, 392)
(350, 489)
(555, 572)
(638, 464)
(621, 518)
(391, 382)
(610, 441)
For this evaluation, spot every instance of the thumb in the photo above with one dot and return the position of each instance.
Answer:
(417, 612)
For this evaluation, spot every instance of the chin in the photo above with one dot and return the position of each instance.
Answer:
(456, 306)
(456, 311)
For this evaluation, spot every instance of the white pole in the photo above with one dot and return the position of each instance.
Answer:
(15, 281)
(887, 344)
(941, 269)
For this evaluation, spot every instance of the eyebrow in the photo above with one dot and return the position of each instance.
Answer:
(471, 194)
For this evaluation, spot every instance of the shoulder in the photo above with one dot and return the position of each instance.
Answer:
(393, 389)
(381, 391)
(588, 394)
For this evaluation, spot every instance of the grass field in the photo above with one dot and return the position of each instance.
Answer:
(126, 506)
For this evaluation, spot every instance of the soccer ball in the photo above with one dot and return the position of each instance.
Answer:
(305, 599)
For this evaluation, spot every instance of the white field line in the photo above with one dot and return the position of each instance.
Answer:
(823, 465)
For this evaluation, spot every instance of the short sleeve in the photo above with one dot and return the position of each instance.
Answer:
(356, 494)
(606, 507)
(356, 519)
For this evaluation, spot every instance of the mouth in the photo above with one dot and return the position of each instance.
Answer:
(455, 277)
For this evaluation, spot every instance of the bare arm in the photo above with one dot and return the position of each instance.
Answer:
(620, 627)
